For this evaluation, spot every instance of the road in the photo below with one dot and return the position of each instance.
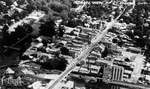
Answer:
(80, 8)
(36, 15)
(135, 86)
(84, 54)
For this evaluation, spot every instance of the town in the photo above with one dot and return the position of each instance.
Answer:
(71, 44)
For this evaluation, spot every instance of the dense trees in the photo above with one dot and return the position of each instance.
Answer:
(54, 8)
(19, 33)
(56, 63)
(139, 16)
(97, 10)
(48, 29)
(8, 2)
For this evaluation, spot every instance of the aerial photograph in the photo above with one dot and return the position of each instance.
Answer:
(74, 44)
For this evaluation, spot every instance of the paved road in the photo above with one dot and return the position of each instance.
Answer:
(34, 15)
(132, 85)
(83, 55)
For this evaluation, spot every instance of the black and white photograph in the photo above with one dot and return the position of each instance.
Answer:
(74, 44)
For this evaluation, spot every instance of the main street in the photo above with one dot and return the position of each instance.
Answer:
(85, 53)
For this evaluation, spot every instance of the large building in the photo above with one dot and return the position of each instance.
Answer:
(114, 73)
(117, 73)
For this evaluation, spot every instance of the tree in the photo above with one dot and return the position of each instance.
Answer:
(64, 14)
(56, 8)
(48, 29)
(8, 2)
(57, 63)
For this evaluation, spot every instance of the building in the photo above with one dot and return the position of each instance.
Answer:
(113, 73)
(117, 73)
